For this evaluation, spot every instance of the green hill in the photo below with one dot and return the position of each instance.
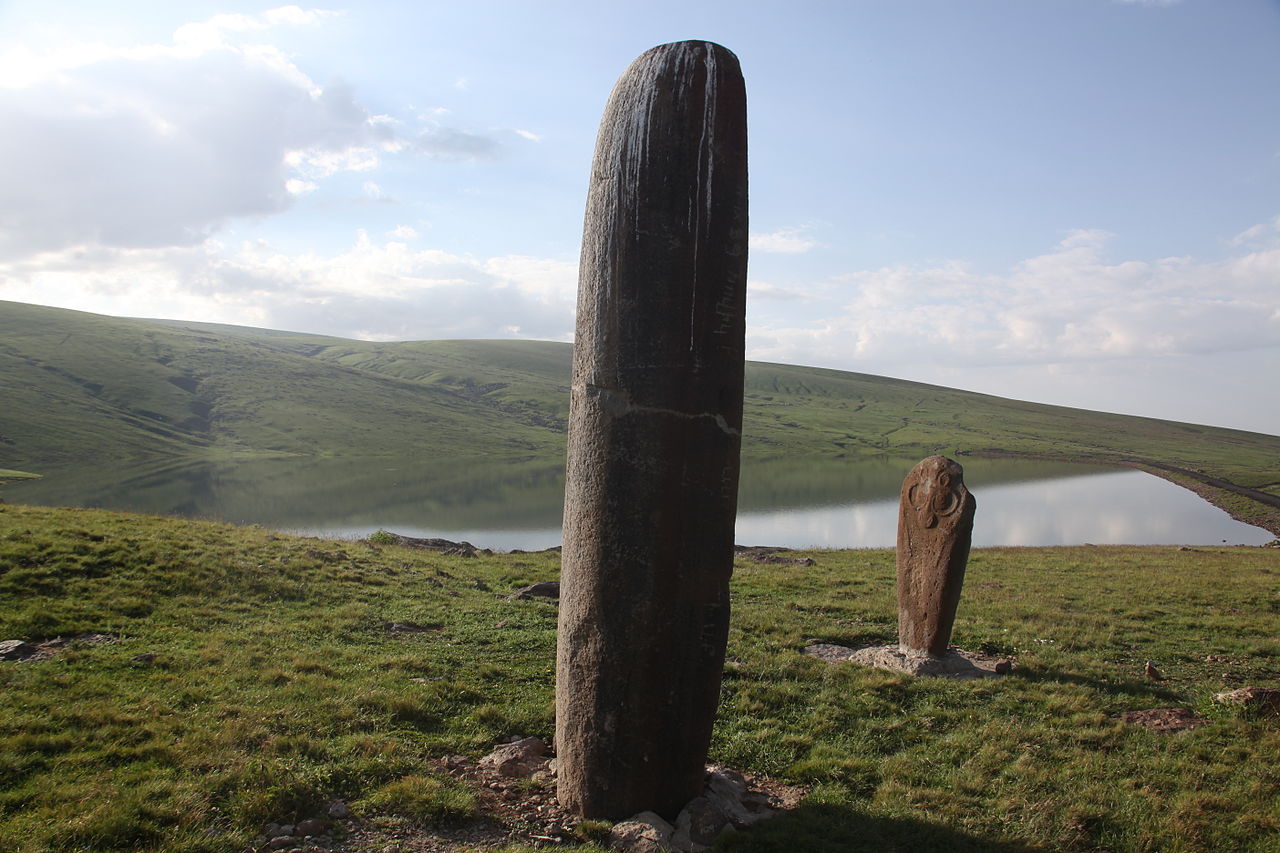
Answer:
(79, 388)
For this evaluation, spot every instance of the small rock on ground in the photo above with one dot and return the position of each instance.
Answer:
(1264, 699)
(646, 832)
(520, 759)
(543, 589)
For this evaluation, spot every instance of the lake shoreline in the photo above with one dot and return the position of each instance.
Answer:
(1025, 500)
(1245, 505)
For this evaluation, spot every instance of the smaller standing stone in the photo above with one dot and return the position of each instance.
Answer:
(935, 526)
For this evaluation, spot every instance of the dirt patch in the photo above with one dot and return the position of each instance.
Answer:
(1164, 719)
(513, 811)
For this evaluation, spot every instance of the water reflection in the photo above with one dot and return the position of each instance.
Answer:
(793, 502)
(1111, 508)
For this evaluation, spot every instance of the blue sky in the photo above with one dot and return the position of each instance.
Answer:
(1067, 201)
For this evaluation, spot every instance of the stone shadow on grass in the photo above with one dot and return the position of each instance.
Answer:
(1128, 687)
(828, 828)
(823, 828)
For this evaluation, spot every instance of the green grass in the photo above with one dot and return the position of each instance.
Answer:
(275, 687)
(82, 390)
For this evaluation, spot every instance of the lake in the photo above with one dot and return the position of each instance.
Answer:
(828, 503)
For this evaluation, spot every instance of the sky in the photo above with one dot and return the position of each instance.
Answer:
(1066, 201)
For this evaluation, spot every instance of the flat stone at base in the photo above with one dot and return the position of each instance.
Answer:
(957, 663)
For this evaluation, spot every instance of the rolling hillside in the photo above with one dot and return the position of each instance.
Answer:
(76, 388)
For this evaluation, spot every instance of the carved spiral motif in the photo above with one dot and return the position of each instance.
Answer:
(933, 498)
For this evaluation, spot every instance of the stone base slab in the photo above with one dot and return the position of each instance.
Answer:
(957, 663)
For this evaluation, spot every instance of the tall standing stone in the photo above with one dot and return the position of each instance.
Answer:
(935, 526)
(654, 436)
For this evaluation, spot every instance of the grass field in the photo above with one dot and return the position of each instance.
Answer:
(275, 687)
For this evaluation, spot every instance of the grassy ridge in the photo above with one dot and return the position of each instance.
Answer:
(275, 686)
(81, 387)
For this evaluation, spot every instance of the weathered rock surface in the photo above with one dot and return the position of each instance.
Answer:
(445, 546)
(726, 800)
(654, 436)
(543, 589)
(645, 832)
(956, 663)
(311, 826)
(1264, 699)
(698, 824)
(16, 650)
(935, 526)
(519, 759)
(21, 650)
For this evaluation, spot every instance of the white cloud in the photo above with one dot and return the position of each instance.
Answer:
(766, 290)
(789, 241)
(162, 145)
(1260, 233)
(1175, 338)
(1068, 305)
(1100, 333)
(450, 143)
(160, 151)
(549, 281)
(529, 135)
(372, 290)
(207, 35)
(318, 162)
